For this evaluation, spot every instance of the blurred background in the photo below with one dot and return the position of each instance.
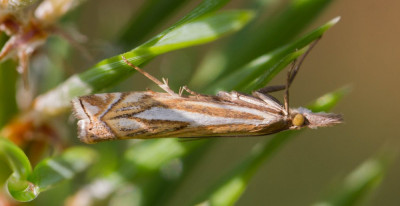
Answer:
(361, 51)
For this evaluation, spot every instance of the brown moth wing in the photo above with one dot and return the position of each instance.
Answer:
(150, 114)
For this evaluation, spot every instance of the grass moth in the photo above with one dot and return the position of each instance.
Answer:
(149, 114)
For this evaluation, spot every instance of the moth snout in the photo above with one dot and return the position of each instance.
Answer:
(305, 118)
(323, 119)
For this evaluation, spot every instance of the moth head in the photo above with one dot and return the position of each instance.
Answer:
(90, 128)
(302, 117)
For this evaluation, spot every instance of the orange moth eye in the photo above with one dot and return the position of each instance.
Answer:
(298, 120)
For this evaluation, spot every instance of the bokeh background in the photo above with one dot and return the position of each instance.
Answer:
(362, 50)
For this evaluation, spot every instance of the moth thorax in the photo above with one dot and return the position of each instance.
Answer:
(298, 120)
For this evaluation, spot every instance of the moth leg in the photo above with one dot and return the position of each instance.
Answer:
(228, 96)
(180, 91)
(185, 88)
(162, 85)
(270, 100)
(264, 95)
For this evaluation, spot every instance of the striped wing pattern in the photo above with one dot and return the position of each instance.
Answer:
(153, 115)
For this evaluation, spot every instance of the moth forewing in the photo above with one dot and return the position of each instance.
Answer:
(144, 115)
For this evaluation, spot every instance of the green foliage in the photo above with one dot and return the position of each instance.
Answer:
(150, 172)
(8, 79)
(16, 159)
(25, 185)
(149, 17)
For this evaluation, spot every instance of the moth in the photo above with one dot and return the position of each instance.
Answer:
(149, 114)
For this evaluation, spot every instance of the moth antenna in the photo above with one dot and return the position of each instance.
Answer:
(163, 86)
(293, 71)
(296, 68)
(288, 82)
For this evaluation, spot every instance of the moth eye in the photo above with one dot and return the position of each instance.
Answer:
(298, 120)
